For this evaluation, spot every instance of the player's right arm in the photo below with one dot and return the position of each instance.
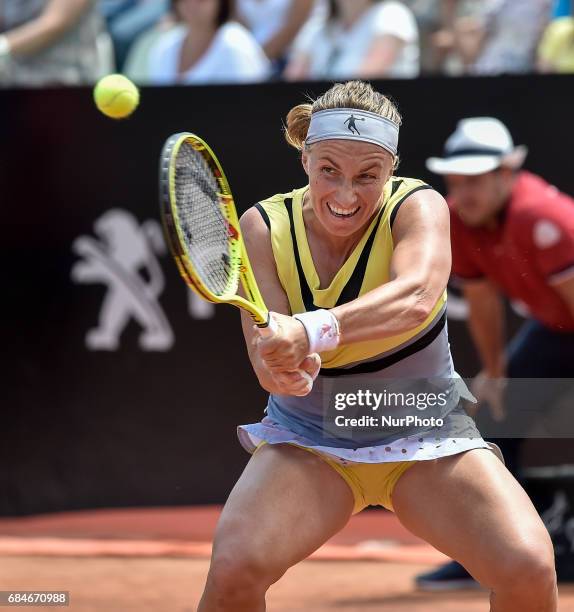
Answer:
(257, 239)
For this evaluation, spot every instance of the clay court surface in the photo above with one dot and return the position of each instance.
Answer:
(157, 559)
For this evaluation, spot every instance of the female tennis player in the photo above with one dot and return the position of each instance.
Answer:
(354, 267)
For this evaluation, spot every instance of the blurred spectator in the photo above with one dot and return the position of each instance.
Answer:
(504, 37)
(562, 8)
(276, 23)
(127, 19)
(362, 39)
(436, 21)
(45, 42)
(205, 47)
(556, 50)
(137, 63)
(427, 14)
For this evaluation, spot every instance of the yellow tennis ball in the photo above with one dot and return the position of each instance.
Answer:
(116, 96)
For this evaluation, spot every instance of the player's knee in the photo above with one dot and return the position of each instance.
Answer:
(535, 576)
(528, 571)
(237, 575)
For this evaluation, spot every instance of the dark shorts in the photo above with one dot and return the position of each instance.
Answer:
(535, 352)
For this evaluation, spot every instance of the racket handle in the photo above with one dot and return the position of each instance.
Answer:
(270, 329)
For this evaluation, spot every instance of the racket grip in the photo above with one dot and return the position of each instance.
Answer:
(270, 329)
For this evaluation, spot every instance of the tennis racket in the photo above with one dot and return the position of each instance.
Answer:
(202, 228)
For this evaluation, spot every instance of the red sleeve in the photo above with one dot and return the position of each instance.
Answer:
(550, 234)
(463, 265)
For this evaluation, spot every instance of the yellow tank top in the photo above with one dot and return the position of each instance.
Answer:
(366, 268)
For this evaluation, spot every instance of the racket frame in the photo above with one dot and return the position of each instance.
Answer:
(240, 267)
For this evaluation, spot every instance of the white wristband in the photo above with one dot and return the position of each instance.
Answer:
(5, 49)
(322, 330)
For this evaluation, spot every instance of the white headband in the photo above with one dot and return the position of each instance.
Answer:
(353, 124)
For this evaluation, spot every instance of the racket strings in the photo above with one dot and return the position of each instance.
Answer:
(205, 228)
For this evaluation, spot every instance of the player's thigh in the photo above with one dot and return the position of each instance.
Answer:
(284, 506)
(471, 508)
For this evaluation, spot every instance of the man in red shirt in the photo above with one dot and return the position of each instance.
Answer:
(512, 235)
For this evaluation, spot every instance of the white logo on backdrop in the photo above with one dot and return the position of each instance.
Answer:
(198, 308)
(116, 258)
(554, 517)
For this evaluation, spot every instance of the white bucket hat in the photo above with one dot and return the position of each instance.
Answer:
(478, 145)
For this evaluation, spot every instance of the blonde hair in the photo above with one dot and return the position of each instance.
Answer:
(352, 94)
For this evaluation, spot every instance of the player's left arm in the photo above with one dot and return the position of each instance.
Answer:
(420, 268)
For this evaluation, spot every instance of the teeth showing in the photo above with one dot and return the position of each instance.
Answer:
(341, 212)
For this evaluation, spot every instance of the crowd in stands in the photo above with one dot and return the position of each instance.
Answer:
(168, 42)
